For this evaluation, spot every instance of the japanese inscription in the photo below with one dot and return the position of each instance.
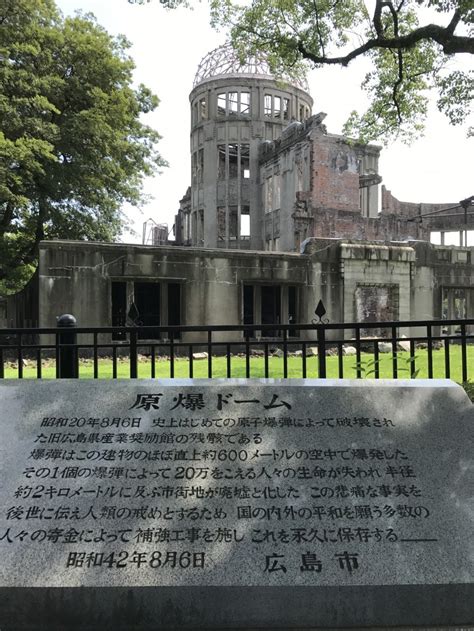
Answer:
(195, 482)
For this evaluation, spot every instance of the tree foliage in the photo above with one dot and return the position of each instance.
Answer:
(410, 45)
(73, 148)
(408, 56)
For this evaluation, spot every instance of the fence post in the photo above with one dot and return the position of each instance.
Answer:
(68, 364)
(321, 351)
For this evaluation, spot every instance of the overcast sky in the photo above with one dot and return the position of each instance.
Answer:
(167, 47)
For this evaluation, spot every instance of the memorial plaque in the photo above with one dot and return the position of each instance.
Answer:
(220, 503)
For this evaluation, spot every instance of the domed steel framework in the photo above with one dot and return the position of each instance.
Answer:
(225, 61)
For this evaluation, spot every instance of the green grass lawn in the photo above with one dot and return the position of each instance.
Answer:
(257, 369)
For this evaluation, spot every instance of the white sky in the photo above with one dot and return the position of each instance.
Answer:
(167, 47)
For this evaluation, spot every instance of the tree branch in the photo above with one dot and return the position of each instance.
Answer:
(318, 28)
(451, 44)
(377, 19)
(454, 22)
(399, 55)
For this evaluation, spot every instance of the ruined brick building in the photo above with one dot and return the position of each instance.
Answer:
(266, 174)
(279, 214)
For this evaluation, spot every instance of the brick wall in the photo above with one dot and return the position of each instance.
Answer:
(344, 224)
(334, 175)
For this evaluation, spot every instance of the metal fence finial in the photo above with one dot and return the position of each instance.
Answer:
(320, 311)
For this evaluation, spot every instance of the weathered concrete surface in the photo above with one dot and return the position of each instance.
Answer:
(261, 503)
(421, 279)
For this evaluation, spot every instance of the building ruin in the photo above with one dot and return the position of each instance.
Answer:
(279, 214)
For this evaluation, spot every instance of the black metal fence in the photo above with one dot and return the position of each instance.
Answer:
(319, 349)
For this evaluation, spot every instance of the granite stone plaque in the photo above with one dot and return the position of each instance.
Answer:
(235, 503)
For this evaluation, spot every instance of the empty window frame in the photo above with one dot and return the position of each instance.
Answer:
(248, 308)
(454, 303)
(461, 238)
(270, 304)
(245, 221)
(452, 237)
(293, 308)
(227, 217)
(153, 304)
(187, 226)
(221, 104)
(201, 226)
(276, 191)
(268, 194)
(202, 109)
(194, 169)
(194, 227)
(221, 221)
(267, 106)
(245, 103)
(221, 162)
(174, 307)
(200, 166)
(245, 161)
(233, 221)
(270, 308)
(233, 102)
(460, 304)
(147, 304)
(233, 160)
(272, 192)
(276, 106)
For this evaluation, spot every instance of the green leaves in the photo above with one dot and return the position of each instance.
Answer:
(456, 93)
(73, 147)
(407, 57)
(398, 91)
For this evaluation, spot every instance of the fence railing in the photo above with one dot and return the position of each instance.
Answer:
(437, 348)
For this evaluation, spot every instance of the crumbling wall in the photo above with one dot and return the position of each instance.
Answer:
(346, 224)
(77, 277)
(373, 265)
(334, 174)
(391, 205)
(321, 175)
(357, 280)
(429, 217)
(182, 221)
(437, 271)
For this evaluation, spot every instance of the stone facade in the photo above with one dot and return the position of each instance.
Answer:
(107, 284)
